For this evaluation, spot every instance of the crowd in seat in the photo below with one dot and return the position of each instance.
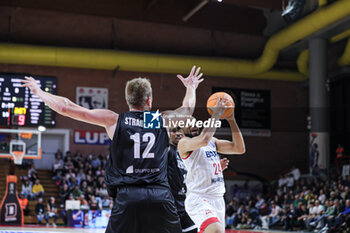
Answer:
(82, 178)
(307, 203)
(296, 203)
(78, 178)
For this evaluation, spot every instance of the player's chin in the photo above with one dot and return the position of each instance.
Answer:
(195, 133)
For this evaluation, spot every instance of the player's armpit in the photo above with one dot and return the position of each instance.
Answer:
(228, 147)
(186, 144)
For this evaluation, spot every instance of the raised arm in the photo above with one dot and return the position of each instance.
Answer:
(236, 145)
(186, 144)
(189, 102)
(65, 107)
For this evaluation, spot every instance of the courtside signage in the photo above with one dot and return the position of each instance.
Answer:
(90, 137)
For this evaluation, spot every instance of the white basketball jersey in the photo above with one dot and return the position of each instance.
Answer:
(204, 174)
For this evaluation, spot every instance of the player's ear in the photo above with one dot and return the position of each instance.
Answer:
(149, 102)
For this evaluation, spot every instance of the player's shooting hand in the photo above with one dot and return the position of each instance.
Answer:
(193, 79)
(31, 84)
(224, 163)
(220, 106)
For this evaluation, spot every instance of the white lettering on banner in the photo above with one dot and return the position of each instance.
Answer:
(77, 138)
(103, 137)
(90, 140)
(91, 137)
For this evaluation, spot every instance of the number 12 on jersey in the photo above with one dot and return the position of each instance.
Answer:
(147, 137)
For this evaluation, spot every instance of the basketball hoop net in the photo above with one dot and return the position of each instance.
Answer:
(17, 150)
(17, 157)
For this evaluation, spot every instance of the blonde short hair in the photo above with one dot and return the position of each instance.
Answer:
(137, 92)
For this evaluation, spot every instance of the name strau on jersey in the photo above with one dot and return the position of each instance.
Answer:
(133, 121)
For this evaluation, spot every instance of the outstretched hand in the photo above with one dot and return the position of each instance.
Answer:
(31, 84)
(224, 163)
(193, 79)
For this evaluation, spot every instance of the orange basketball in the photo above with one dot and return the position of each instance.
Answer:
(212, 102)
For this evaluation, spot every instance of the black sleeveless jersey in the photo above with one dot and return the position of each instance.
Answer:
(176, 174)
(138, 155)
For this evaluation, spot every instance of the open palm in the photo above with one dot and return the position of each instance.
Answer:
(193, 79)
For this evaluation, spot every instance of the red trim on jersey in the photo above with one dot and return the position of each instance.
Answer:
(187, 155)
(207, 223)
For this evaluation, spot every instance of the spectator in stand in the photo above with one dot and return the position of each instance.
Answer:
(274, 217)
(264, 209)
(302, 216)
(259, 201)
(346, 193)
(81, 176)
(38, 189)
(106, 203)
(27, 189)
(84, 204)
(89, 180)
(57, 168)
(70, 174)
(95, 162)
(51, 212)
(73, 182)
(245, 221)
(69, 164)
(102, 192)
(89, 192)
(94, 205)
(316, 210)
(76, 192)
(98, 171)
(58, 154)
(64, 181)
(23, 202)
(64, 194)
(40, 210)
(345, 214)
(32, 174)
(290, 218)
(83, 186)
(323, 220)
(322, 197)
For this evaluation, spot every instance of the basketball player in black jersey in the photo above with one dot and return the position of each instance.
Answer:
(137, 175)
(176, 177)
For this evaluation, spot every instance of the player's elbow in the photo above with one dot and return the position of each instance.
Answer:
(63, 108)
(238, 149)
(241, 150)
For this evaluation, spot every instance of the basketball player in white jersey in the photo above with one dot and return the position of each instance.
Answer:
(205, 182)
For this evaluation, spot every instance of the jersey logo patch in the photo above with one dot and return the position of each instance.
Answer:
(210, 154)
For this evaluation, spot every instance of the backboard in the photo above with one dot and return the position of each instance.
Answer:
(18, 142)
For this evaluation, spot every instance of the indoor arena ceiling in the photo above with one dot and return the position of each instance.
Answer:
(247, 24)
(241, 16)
